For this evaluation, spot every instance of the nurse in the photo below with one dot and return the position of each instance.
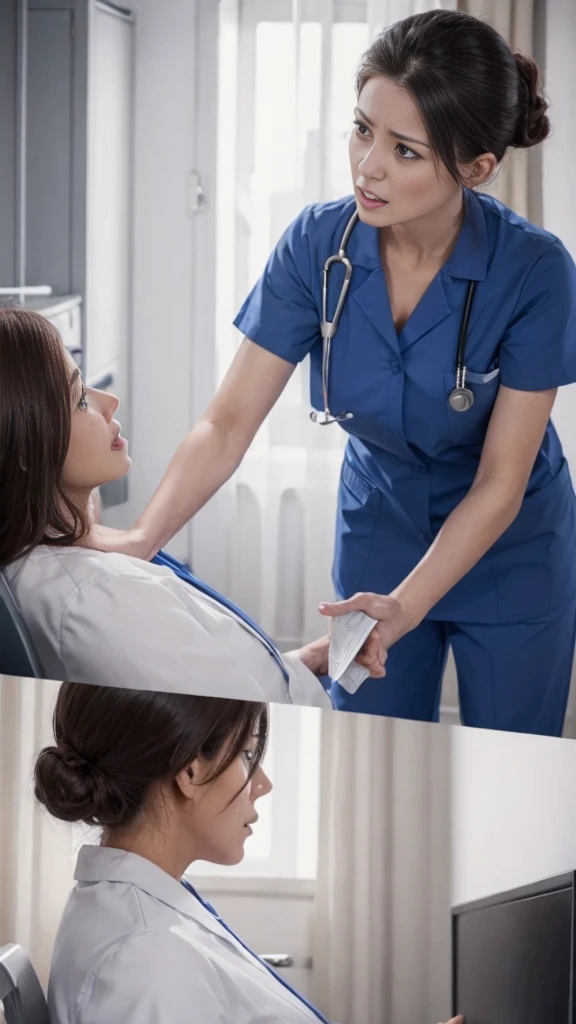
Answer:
(170, 779)
(457, 508)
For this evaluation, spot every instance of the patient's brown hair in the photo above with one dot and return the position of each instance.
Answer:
(113, 745)
(35, 424)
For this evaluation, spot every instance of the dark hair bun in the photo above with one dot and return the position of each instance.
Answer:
(72, 789)
(533, 125)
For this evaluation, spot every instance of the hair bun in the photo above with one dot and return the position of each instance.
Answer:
(74, 789)
(533, 125)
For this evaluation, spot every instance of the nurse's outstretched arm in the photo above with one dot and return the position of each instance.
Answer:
(208, 455)
(517, 426)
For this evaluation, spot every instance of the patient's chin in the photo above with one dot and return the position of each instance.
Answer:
(121, 470)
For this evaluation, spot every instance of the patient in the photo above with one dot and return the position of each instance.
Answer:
(170, 779)
(97, 616)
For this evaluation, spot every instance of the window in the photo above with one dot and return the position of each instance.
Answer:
(286, 101)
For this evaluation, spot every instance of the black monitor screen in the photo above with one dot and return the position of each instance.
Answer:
(512, 961)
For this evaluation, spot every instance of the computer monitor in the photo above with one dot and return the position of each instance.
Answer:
(513, 956)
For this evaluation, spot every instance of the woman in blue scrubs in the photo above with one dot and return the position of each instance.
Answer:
(465, 522)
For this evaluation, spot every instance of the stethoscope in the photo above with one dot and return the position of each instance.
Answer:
(460, 398)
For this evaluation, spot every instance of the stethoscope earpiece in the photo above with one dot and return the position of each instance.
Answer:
(460, 399)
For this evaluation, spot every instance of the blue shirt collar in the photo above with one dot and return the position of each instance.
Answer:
(469, 259)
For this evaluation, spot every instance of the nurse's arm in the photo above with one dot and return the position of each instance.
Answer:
(208, 455)
(515, 432)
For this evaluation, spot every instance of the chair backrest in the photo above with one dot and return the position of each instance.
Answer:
(20, 991)
(17, 654)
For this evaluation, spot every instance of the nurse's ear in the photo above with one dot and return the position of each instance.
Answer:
(480, 172)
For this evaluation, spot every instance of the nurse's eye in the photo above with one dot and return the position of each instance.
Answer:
(361, 129)
(405, 153)
(83, 403)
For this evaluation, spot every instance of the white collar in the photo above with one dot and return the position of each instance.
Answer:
(107, 864)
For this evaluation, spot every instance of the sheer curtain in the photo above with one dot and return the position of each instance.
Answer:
(381, 950)
(36, 853)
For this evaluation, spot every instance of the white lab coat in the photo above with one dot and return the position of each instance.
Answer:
(114, 620)
(135, 947)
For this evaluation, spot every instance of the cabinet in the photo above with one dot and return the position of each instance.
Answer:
(66, 173)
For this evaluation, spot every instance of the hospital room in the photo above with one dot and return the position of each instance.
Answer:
(156, 161)
(407, 874)
(211, 544)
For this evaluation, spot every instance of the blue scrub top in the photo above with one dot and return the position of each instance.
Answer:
(407, 446)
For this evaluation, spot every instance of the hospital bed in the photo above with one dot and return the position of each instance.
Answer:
(17, 654)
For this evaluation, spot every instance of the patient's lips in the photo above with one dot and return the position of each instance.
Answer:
(119, 442)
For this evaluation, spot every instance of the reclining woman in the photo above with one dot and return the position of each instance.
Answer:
(100, 617)
(170, 779)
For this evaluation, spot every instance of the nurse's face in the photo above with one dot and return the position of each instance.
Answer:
(223, 812)
(390, 158)
(97, 453)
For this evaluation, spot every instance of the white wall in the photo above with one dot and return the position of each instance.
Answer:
(163, 243)
(513, 811)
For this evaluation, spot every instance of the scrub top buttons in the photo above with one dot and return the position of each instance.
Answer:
(395, 367)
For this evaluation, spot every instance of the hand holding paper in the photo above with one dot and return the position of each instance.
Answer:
(348, 635)
(363, 628)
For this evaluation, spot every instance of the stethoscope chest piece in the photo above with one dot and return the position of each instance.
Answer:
(461, 399)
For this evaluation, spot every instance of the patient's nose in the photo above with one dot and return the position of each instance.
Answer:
(107, 403)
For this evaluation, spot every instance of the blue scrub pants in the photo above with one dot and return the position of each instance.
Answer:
(512, 677)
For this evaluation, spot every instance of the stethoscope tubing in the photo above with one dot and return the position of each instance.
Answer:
(460, 399)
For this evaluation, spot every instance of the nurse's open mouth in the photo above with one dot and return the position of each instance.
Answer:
(369, 200)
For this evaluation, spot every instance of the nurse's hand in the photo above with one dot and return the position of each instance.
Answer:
(456, 1020)
(124, 542)
(393, 623)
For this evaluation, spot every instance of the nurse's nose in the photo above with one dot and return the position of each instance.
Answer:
(372, 166)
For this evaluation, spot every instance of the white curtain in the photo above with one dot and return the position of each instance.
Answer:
(381, 950)
(36, 853)
(516, 183)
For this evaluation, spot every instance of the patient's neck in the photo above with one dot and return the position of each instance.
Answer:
(171, 851)
(86, 503)
(83, 500)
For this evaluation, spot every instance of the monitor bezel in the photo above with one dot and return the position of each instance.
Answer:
(543, 887)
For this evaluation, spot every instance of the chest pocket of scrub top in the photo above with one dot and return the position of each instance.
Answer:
(470, 427)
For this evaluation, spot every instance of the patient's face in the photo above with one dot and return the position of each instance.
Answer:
(97, 454)
(220, 820)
